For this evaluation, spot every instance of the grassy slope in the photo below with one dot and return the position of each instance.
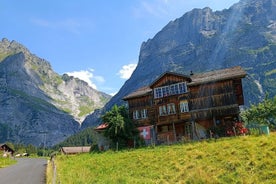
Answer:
(4, 162)
(230, 160)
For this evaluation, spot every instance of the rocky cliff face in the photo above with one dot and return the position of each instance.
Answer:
(37, 105)
(202, 40)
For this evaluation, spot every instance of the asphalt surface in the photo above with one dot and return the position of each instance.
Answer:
(25, 171)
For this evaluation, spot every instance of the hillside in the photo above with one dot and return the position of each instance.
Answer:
(38, 106)
(247, 159)
(203, 40)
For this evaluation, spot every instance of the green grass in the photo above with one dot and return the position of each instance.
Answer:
(248, 159)
(4, 162)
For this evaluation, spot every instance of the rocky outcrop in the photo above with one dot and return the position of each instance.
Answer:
(37, 103)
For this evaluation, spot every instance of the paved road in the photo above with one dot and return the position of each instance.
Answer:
(25, 171)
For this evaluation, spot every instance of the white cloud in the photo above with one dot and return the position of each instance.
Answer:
(127, 70)
(87, 76)
(113, 94)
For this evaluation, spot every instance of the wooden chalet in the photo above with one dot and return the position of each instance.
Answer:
(6, 150)
(186, 106)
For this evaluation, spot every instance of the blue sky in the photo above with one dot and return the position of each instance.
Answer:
(97, 41)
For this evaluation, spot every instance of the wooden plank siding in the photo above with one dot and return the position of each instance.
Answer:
(212, 97)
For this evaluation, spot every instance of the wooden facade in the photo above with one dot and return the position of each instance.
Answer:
(185, 107)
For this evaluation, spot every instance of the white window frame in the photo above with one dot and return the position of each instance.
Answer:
(182, 87)
(178, 88)
(158, 93)
(184, 106)
(136, 114)
(171, 108)
(163, 110)
(144, 113)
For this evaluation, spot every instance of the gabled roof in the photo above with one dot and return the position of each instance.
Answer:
(170, 73)
(75, 150)
(195, 79)
(144, 91)
(217, 75)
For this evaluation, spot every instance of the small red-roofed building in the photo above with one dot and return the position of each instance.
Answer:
(102, 141)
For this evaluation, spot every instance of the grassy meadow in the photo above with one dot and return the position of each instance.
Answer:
(4, 162)
(247, 159)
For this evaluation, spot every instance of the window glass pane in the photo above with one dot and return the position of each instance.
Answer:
(182, 87)
(136, 114)
(171, 108)
(184, 107)
(155, 93)
(162, 110)
(167, 90)
(159, 92)
(144, 113)
(164, 91)
(172, 90)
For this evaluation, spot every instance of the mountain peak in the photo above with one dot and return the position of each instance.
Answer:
(39, 98)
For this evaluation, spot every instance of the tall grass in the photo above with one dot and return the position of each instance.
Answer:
(248, 159)
(4, 162)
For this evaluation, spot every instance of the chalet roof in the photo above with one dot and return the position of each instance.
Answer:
(139, 93)
(169, 73)
(196, 79)
(217, 75)
(75, 150)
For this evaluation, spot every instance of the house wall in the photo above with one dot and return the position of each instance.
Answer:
(102, 141)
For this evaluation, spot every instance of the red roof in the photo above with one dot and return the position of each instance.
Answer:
(102, 126)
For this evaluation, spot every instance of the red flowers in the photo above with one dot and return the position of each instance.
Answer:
(237, 129)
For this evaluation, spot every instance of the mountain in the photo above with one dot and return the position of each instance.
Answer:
(203, 40)
(38, 106)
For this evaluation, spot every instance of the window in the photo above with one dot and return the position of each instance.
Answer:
(158, 93)
(171, 108)
(184, 107)
(144, 114)
(162, 110)
(165, 91)
(173, 89)
(182, 88)
(136, 114)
